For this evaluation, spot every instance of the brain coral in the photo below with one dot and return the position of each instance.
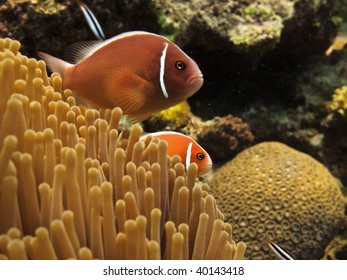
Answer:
(273, 192)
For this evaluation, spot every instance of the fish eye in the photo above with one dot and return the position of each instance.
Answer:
(180, 65)
(200, 156)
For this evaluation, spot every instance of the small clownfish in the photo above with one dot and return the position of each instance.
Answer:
(184, 146)
(140, 72)
(279, 252)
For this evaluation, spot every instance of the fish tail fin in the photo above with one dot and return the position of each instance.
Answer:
(55, 64)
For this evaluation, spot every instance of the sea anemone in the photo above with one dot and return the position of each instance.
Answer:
(72, 186)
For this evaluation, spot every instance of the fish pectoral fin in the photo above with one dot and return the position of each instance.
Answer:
(129, 91)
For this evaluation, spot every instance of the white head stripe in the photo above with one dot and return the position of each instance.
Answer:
(189, 154)
(162, 71)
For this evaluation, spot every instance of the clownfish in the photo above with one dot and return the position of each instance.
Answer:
(187, 148)
(279, 252)
(140, 72)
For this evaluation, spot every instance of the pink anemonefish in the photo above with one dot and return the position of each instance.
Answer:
(187, 148)
(140, 72)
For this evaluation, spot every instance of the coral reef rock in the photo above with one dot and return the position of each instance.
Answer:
(245, 24)
(273, 192)
(339, 101)
(173, 118)
(224, 137)
(337, 249)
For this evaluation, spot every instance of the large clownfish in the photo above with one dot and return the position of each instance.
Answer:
(140, 72)
(187, 148)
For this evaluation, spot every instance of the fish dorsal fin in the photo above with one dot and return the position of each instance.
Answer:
(80, 50)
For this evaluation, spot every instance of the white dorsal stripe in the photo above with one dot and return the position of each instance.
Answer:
(162, 70)
(94, 46)
(189, 154)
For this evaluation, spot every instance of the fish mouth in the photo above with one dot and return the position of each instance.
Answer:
(206, 168)
(197, 79)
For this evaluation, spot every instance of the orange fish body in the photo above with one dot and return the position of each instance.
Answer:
(187, 148)
(139, 72)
